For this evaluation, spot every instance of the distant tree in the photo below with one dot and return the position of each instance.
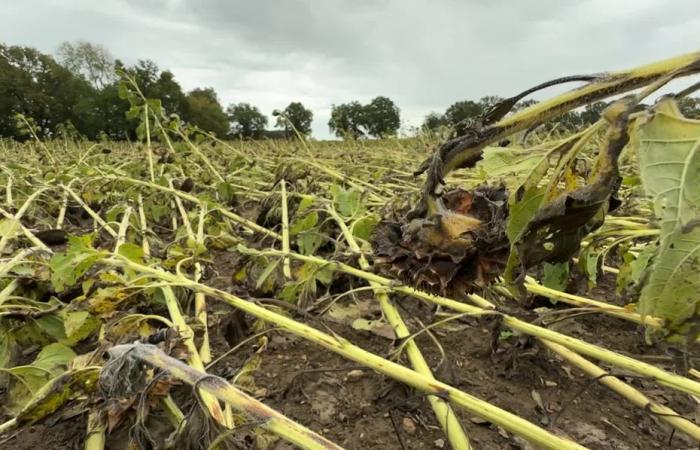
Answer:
(690, 107)
(91, 61)
(247, 121)
(489, 101)
(434, 121)
(592, 112)
(381, 117)
(170, 94)
(570, 120)
(159, 85)
(294, 116)
(524, 104)
(35, 85)
(205, 111)
(347, 120)
(462, 114)
(274, 134)
(112, 112)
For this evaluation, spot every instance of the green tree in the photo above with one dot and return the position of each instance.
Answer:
(489, 101)
(524, 104)
(112, 112)
(592, 112)
(294, 116)
(247, 121)
(205, 111)
(570, 120)
(35, 85)
(434, 121)
(347, 120)
(91, 61)
(381, 117)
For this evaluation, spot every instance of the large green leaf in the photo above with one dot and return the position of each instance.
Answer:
(669, 159)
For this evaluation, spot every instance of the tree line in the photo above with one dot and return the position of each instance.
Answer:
(77, 93)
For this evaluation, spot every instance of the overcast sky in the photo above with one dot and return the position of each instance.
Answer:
(423, 54)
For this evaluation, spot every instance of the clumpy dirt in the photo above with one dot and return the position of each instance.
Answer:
(361, 409)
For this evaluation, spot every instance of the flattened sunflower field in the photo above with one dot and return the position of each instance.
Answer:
(518, 286)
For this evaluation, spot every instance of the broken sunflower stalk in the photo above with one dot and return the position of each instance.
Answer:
(257, 412)
(462, 240)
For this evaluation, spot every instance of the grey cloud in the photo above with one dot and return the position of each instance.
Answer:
(424, 54)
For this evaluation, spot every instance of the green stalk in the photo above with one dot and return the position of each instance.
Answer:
(18, 258)
(123, 227)
(532, 286)
(171, 409)
(443, 412)
(360, 185)
(62, 212)
(8, 191)
(28, 234)
(485, 410)
(144, 228)
(200, 305)
(18, 215)
(201, 155)
(286, 267)
(200, 308)
(625, 390)
(149, 150)
(96, 217)
(194, 360)
(8, 290)
(30, 127)
(96, 430)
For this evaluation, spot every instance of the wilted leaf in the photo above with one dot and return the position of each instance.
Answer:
(55, 394)
(589, 263)
(269, 269)
(377, 327)
(554, 230)
(306, 202)
(344, 313)
(9, 228)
